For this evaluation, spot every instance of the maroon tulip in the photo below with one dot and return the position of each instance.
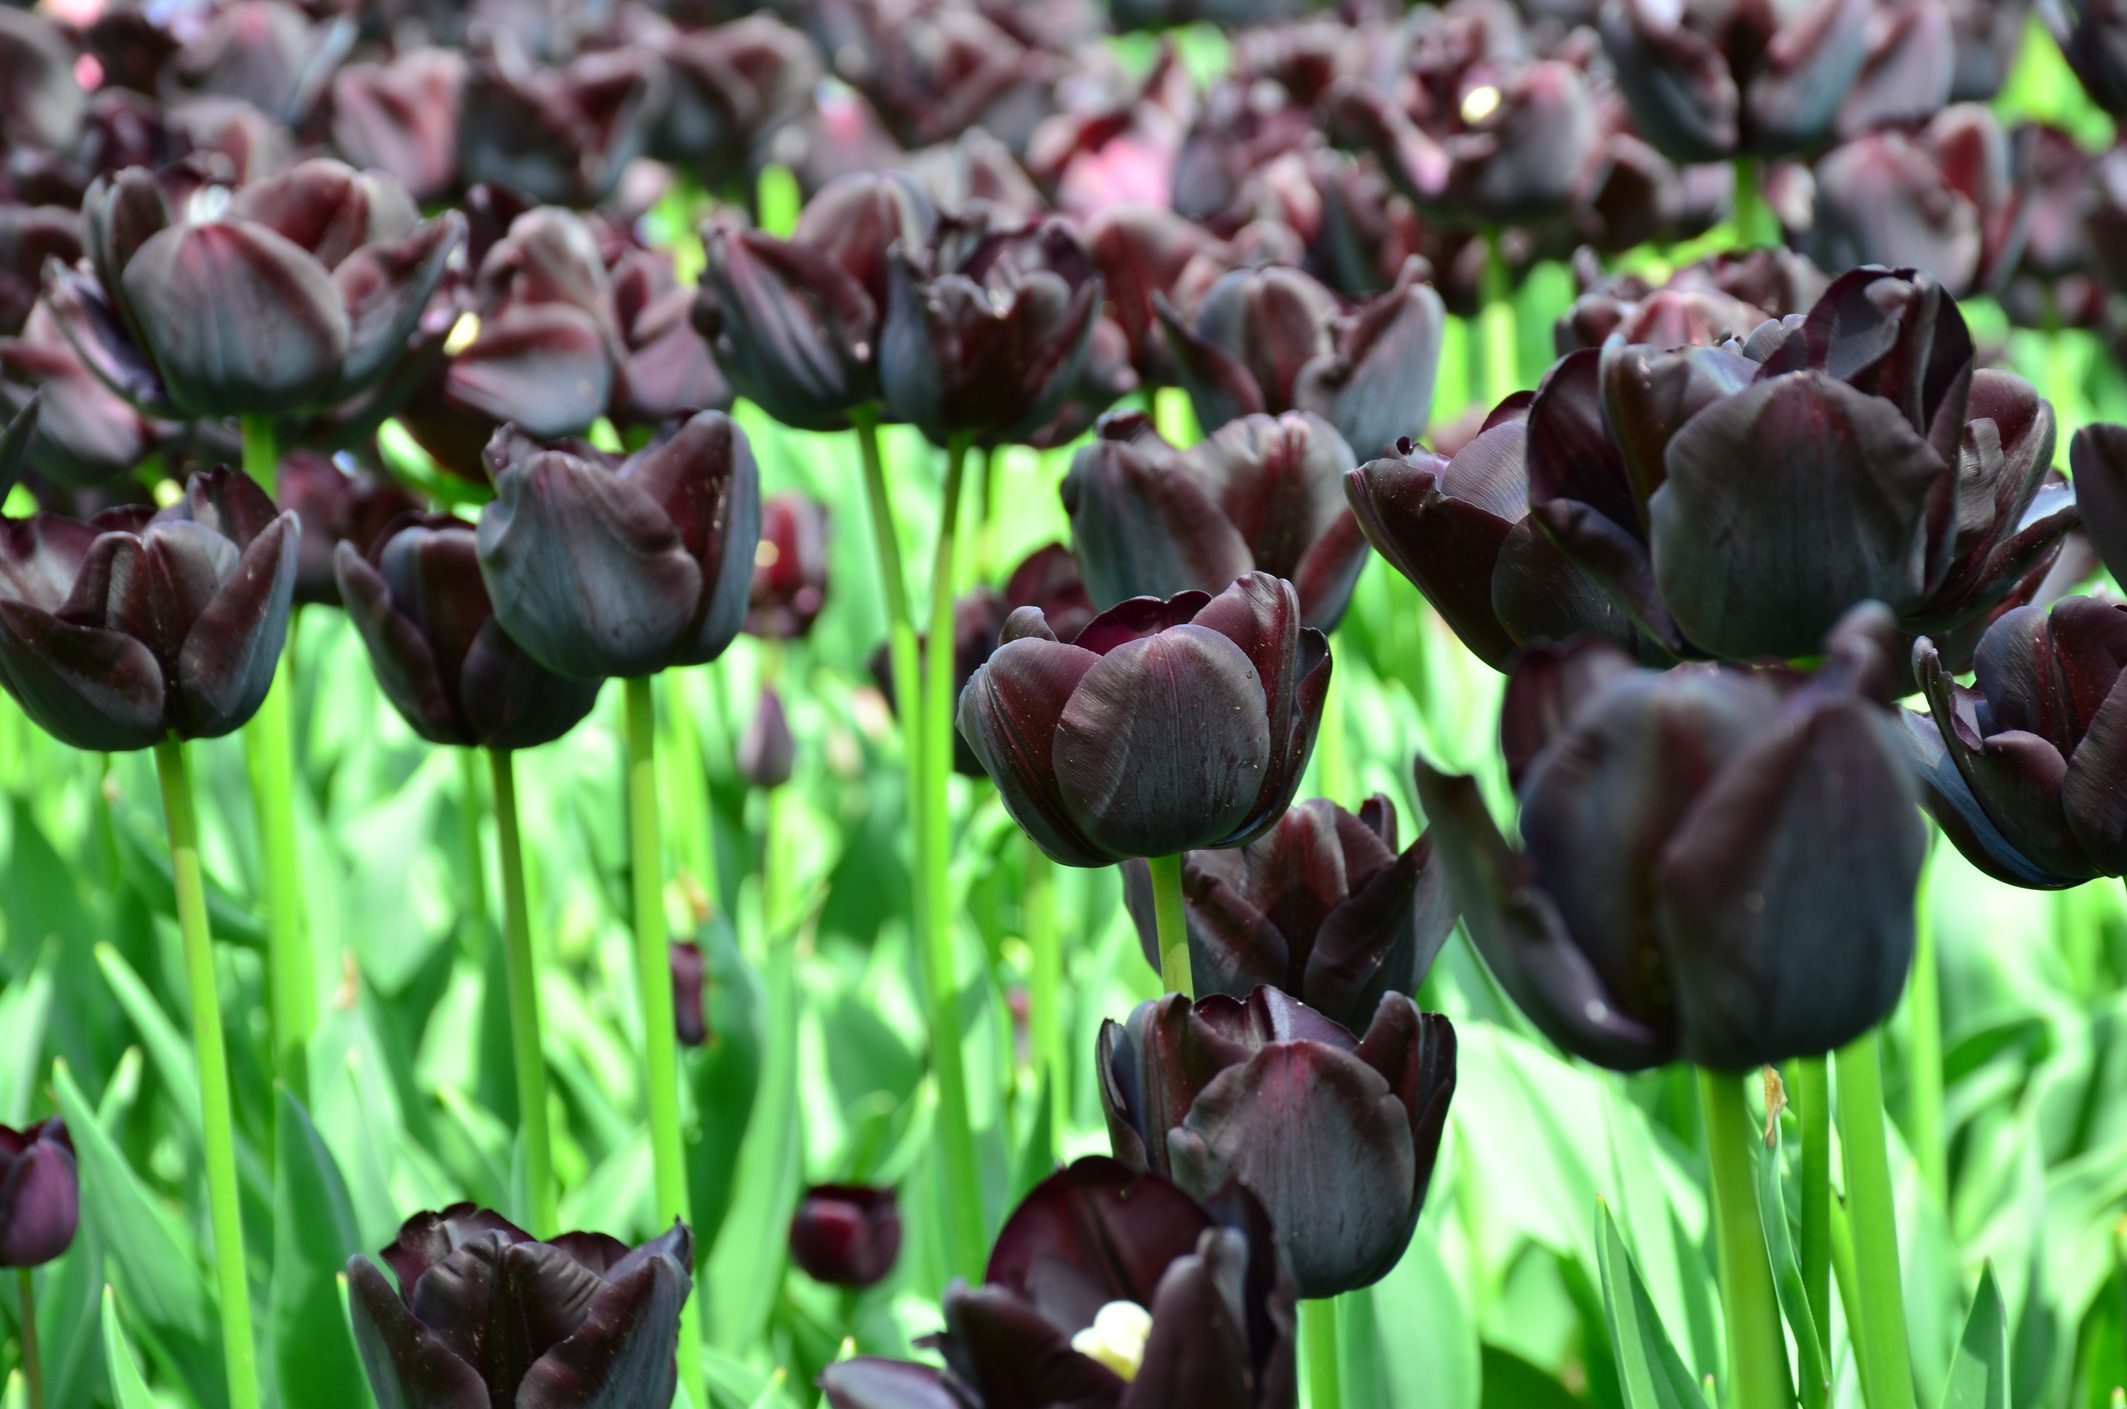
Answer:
(1261, 494)
(1146, 254)
(88, 435)
(767, 752)
(690, 974)
(401, 116)
(40, 1194)
(789, 568)
(731, 87)
(1910, 68)
(42, 103)
(846, 1235)
(1722, 296)
(335, 505)
(560, 134)
(1335, 1134)
(268, 53)
(2058, 281)
(30, 235)
(1989, 35)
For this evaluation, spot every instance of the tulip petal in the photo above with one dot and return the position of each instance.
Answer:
(1444, 534)
(1009, 715)
(1682, 94)
(2098, 456)
(622, 1353)
(409, 1367)
(870, 1383)
(1799, 859)
(1377, 386)
(1198, 1351)
(512, 701)
(1143, 525)
(2048, 673)
(1094, 1232)
(542, 367)
(385, 288)
(1963, 818)
(1350, 967)
(234, 646)
(40, 1202)
(406, 667)
(1018, 1354)
(1166, 743)
(83, 685)
(1220, 386)
(2094, 789)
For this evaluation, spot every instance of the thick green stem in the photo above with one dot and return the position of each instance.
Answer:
(269, 756)
(472, 857)
(694, 817)
(1749, 208)
(963, 1184)
(1171, 924)
(32, 1361)
(1045, 989)
(1757, 1352)
(1318, 1344)
(520, 968)
(1880, 1342)
(217, 1126)
(1495, 325)
(900, 623)
(1812, 1093)
(653, 976)
(1924, 1055)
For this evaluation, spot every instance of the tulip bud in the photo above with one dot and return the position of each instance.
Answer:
(486, 1314)
(601, 565)
(789, 569)
(766, 751)
(690, 976)
(845, 1235)
(1322, 906)
(1261, 494)
(1107, 1286)
(1720, 862)
(1226, 692)
(40, 1194)
(1336, 1135)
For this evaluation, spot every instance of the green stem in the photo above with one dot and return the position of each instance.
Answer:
(963, 1185)
(694, 817)
(1749, 209)
(1045, 989)
(1812, 1093)
(1318, 1343)
(239, 1357)
(520, 969)
(653, 976)
(1849, 1283)
(1495, 324)
(1757, 1351)
(269, 755)
(32, 1362)
(1880, 1342)
(1931, 1150)
(1171, 924)
(472, 857)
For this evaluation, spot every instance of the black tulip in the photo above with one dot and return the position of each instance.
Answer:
(789, 568)
(40, 1194)
(767, 753)
(846, 1235)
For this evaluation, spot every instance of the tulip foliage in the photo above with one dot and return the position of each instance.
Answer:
(1063, 704)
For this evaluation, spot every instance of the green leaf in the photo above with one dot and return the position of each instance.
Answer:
(1979, 1373)
(126, 1383)
(1815, 1372)
(725, 1077)
(1650, 1372)
(313, 1236)
(744, 1270)
(1428, 1348)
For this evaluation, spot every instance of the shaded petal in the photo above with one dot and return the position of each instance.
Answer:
(870, 1383)
(405, 666)
(1009, 715)
(2098, 456)
(1143, 525)
(83, 685)
(2094, 789)
(1964, 819)
(1198, 1353)
(543, 367)
(234, 646)
(1447, 542)
(409, 1368)
(1014, 1355)
(40, 1199)
(622, 1353)
(1094, 1232)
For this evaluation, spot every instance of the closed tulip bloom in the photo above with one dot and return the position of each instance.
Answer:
(846, 1235)
(2057, 281)
(418, 600)
(302, 294)
(2027, 770)
(797, 324)
(1108, 1288)
(484, 1314)
(789, 569)
(1720, 862)
(601, 565)
(662, 368)
(401, 115)
(561, 134)
(1262, 493)
(2093, 37)
(269, 54)
(1322, 906)
(334, 506)
(767, 752)
(1710, 81)
(987, 331)
(1275, 340)
(118, 632)
(1164, 727)
(40, 1194)
(690, 976)
(1335, 1134)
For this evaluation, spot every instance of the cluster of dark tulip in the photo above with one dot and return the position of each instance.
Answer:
(248, 247)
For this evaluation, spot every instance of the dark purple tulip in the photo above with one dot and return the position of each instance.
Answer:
(1164, 727)
(334, 506)
(42, 103)
(1232, 167)
(1988, 34)
(766, 751)
(302, 294)
(118, 632)
(730, 88)
(1264, 493)
(662, 368)
(417, 598)
(789, 569)
(1146, 253)
(88, 434)
(1910, 69)
(1322, 906)
(269, 54)
(2098, 456)
(601, 565)
(1459, 529)
(2057, 281)
(690, 974)
(987, 331)
(1645, 198)
(401, 116)
(2027, 771)
(1720, 863)
(1722, 296)
(797, 324)
(1275, 340)
(563, 134)
(485, 1314)
(846, 1235)
(2093, 37)
(1941, 198)
(978, 179)
(30, 235)
(1710, 81)
(40, 1194)
(1107, 1289)
(1167, 14)
(1335, 1134)
(934, 71)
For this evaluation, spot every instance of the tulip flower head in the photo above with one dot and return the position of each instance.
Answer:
(1108, 1288)
(846, 1235)
(335, 505)
(789, 568)
(1335, 1134)
(486, 1314)
(40, 1194)
(767, 752)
